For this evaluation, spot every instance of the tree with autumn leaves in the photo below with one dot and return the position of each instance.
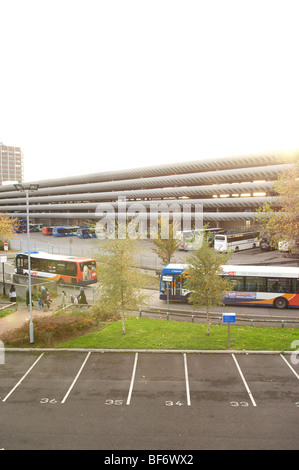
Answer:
(165, 241)
(279, 220)
(6, 228)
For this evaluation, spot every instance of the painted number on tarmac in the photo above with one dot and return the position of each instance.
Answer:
(114, 402)
(172, 403)
(50, 401)
(241, 403)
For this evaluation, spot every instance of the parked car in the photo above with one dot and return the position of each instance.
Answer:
(265, 246)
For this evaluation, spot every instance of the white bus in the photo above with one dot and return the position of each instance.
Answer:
(263, 285)
(236, 241)
(256, 286)
(190, 239)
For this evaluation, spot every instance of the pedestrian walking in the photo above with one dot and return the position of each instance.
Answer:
(12, 294)
(63, 298)
(82, 297)
(27, 298)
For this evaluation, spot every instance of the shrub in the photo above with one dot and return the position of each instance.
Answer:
(48, 330)
(105, 313)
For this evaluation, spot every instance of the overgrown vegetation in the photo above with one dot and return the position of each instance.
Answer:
(50, 330)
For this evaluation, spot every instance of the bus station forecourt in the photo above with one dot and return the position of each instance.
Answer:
(149, 399)
(188, 400)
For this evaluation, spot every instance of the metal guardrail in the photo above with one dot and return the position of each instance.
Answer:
(215, 316)
(8, 307)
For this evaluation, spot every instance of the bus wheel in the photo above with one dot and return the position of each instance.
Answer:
(280, 302)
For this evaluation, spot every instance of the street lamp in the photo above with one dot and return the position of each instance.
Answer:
(27, 189)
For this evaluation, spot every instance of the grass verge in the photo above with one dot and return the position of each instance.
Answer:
(144, 333)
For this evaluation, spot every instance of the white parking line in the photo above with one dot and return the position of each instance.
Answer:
(25, 375)
(294, 372)
(244, 381)
(187, 380)
(132, 379)
(76, 378)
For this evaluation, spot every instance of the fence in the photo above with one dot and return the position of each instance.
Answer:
(216, 317)
(10, 306)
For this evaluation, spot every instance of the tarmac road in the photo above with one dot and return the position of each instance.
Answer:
(85, 247)
(141, 400)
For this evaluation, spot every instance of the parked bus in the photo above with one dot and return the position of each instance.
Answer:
(63, 269)
(191, 238)
(64, 231)
(236, 241)
(37, 227)
(47, 230)
(252, 285)
(20, 226)
(86, 233)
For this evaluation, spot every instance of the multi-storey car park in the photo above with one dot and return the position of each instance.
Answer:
(230, 190)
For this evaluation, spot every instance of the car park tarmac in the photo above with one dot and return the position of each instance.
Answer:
(148, 400)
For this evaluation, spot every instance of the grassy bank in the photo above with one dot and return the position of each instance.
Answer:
(144, 333)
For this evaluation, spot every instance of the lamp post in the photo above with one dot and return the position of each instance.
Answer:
(27, 189)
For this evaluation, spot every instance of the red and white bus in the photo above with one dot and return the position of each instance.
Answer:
(63, 269)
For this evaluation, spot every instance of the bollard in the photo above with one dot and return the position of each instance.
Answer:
(192, 318)
(282, 323)
(140, 312)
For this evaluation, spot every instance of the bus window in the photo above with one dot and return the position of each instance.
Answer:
(35, 264)
(86, 268)
(279, 285)
(296, 289)
(255, 284)
(70, 269)
(22, 263)
(51, 267)
(238, 283)
(177, 285)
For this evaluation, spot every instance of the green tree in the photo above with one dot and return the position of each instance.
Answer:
(203, 278)
(279, 220)
(165, 241)
(120, 284)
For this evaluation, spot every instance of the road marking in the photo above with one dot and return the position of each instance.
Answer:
(244, 381)
(76, 378)
(289, 366)
(187, 380)
(132, 380)
(20, 381)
